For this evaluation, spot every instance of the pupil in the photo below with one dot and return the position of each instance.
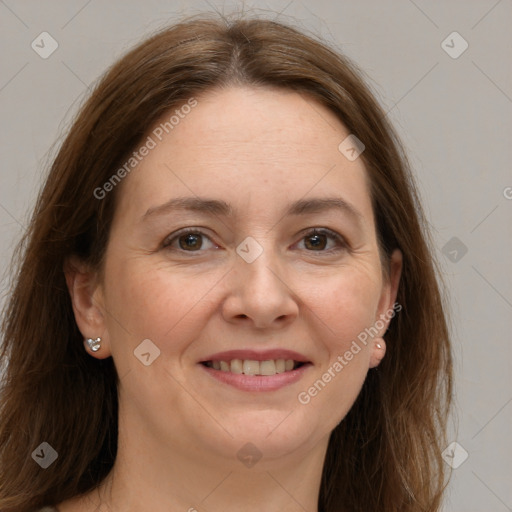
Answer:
(317, 241)
(190, 241)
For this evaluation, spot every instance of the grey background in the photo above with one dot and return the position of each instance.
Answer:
(454, 116)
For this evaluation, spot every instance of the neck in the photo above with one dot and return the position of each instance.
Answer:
(152, 475)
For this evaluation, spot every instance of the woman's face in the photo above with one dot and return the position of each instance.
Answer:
(250, 173)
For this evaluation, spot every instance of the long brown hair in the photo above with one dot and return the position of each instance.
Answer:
(386, 453)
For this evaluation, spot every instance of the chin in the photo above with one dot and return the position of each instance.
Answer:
(274, 433)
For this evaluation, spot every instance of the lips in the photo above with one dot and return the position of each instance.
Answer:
(251, 369)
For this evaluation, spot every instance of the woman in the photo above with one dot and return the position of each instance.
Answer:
(227, 297)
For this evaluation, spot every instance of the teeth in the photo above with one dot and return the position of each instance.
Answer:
(237, 366)
(252, 367)
(280, 366)
(268, 368)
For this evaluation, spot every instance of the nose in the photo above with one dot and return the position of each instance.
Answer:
(260, 294)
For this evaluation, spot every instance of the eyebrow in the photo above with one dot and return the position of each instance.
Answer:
(219, 207)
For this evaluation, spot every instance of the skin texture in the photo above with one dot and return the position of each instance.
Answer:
(257, 149)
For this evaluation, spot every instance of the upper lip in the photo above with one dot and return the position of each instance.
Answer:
(256, 355)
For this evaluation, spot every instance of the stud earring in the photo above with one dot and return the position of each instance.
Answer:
(378, 345)
(94, 344)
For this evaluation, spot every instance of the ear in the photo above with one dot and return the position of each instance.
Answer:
(87, 300)
(386, 310)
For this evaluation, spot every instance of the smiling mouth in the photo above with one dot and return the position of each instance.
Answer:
(252, 367)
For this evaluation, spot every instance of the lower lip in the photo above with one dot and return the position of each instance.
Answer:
(258, 382)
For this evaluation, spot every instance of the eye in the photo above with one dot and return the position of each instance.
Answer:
(323, 240)
(195, 240)
(189, 240)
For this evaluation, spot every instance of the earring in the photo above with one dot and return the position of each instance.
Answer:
(378, 345)
(94, 344)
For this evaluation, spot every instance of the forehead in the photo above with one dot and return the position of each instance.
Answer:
(247, 146)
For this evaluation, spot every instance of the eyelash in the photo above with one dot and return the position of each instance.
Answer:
(342, 245)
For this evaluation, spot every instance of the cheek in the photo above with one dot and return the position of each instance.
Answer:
(345, 308)
(345, 304)
(343, 311)
(163, 305)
